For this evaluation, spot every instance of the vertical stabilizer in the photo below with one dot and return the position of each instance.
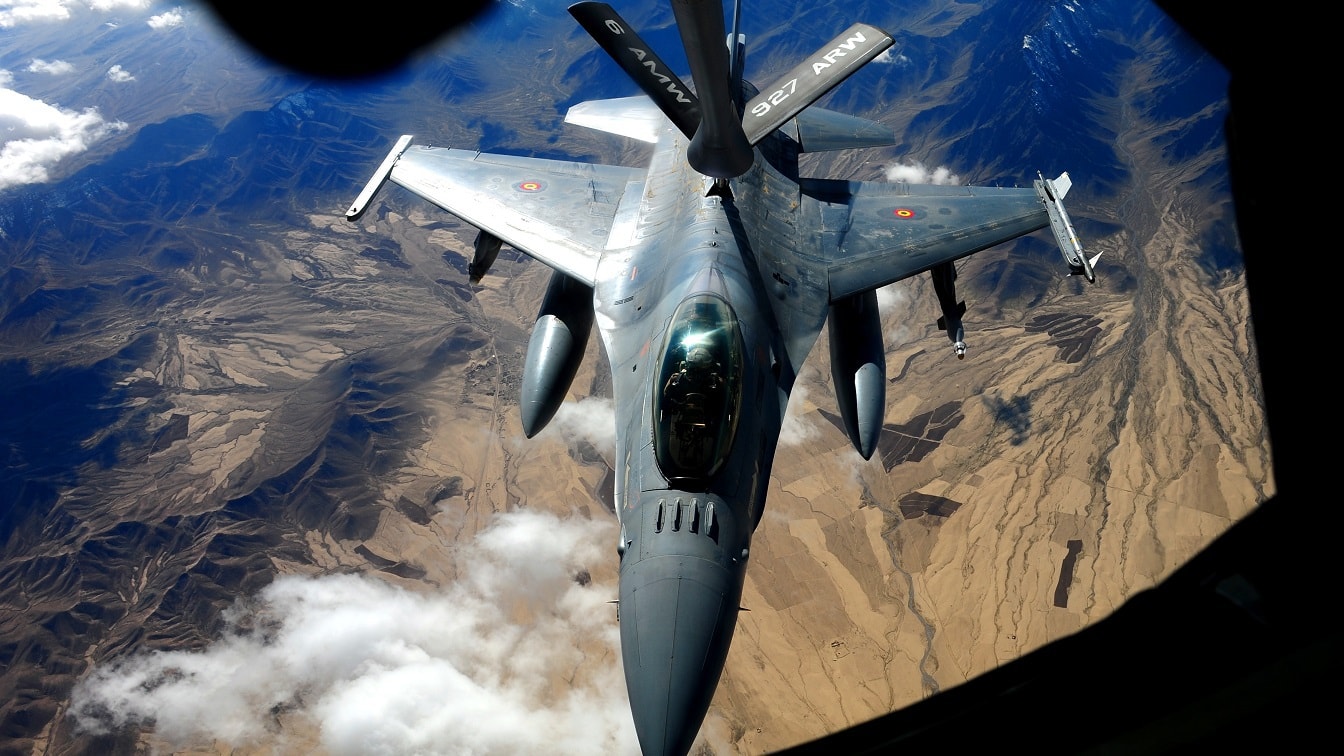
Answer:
(737, 56)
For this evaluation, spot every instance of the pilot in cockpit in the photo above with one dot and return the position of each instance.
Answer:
(698, 371)
(697, 400)
(694, 387)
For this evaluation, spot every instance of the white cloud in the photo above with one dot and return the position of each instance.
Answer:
(117, 73)
(107, 5)
(796, 429)
(592, 419)
(916, 173)
(891, 296)
(16, 12)
(35, 135)
(894, 58)
(514, 657)
(897, 309)
(56, 67)
(166, 20)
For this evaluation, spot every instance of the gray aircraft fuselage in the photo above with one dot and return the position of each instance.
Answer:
(685, 541)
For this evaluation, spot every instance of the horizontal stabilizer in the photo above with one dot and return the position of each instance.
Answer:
(641, 63)
(634, 117)
(361, 202)
(811, 79)
(821, 130)
(1051, 192)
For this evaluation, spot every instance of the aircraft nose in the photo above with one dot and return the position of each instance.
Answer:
(677, 619)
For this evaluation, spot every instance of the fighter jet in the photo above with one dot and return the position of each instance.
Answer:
(710, 274)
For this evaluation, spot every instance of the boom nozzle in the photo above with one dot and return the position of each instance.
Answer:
(719, 148)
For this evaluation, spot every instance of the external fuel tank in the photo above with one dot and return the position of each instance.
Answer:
(859, 368)
(555, 350)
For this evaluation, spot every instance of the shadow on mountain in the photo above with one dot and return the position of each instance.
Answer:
(59, 424)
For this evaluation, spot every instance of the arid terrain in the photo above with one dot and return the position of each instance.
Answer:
(1082, 451)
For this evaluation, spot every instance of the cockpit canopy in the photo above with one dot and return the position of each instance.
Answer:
(699, 390)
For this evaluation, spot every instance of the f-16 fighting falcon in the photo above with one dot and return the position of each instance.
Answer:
(710, 274)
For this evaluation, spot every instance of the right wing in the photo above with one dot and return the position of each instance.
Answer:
(555, 211)
(875, 233)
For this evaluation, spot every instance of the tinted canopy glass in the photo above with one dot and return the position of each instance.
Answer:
(699, 389)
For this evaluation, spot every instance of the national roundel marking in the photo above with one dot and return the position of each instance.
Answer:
(905, 213)
(530, 186)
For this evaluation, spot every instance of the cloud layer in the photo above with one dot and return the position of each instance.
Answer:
(591, 419)
(517, 656)
(796, 429)
(166, 20)
(34, 135)
(19, 12)
(917, 173)
(54, 67)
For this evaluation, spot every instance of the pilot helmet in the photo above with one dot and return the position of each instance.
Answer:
(699, 358)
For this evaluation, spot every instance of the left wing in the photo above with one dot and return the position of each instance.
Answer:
(874, 233)
(555, 211)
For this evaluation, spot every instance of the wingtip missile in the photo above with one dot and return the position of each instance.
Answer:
(1087, 268)
(379, 178)
(1051, 192)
